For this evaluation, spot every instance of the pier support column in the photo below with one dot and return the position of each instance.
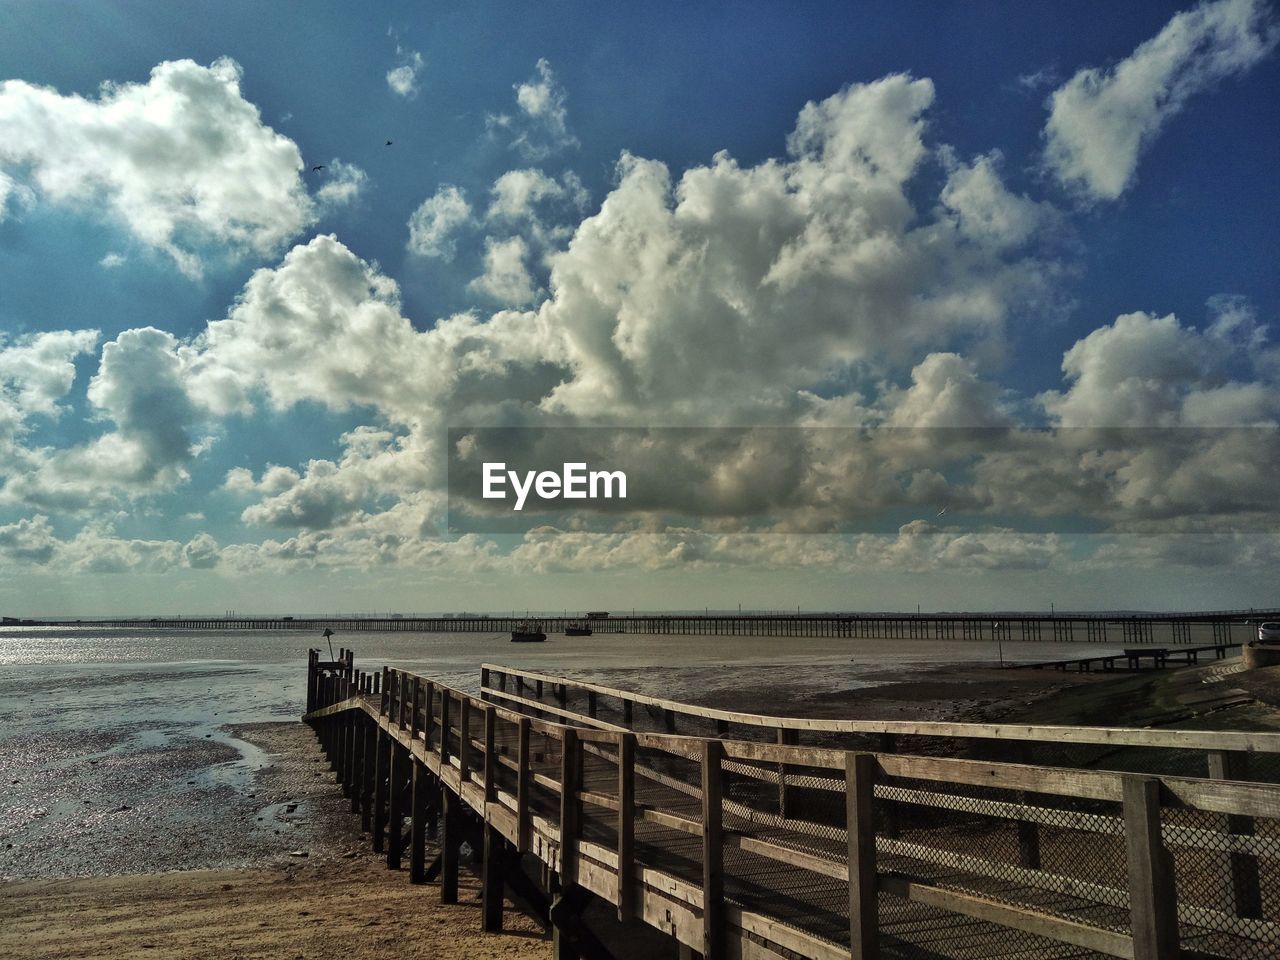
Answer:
(491, 883)
(397, 779)
(450, 838)
(380, 791)
(368, 775)
(418, 824)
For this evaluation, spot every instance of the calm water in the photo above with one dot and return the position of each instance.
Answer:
(111, 736)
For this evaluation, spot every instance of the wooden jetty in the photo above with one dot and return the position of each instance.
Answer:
(1225, 626)
(1133, 658)
(770, 837)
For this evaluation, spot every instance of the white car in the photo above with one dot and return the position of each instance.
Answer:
(1269, 633)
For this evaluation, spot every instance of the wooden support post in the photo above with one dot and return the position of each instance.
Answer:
(786, 738)
(428, 712)
(449, 842)
(626, 825)
(524, 814)
(444, 726)
(1152, 898)
(627, 709)
(418, 824)
(368, 775)
(357, 760)
(380, 791)
(591, 703)
(490, 763)
(567, 864)
(415, 694)
(864, 916)
(1246, 888)
(384, 689)
(464, 738)
(401, 718)
(397, 779)
(713, 928)
(484, 683)
(491, 879)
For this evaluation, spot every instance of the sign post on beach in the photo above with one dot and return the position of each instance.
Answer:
(327, 635)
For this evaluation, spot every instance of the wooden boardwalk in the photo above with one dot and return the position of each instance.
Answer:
(742, 846)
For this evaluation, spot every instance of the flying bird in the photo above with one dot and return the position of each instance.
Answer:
(318, 166)
(388, 143)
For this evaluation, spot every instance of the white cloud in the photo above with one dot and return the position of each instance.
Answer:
(541, 127)
(432, 225)
(517, 193)
(1100, 121)
(184, 161)
(505, 278)
(342, 184)
(28, 541)
(37, 370)
(111, 261)
(921, 547)
(403, 79)
(1148, 371)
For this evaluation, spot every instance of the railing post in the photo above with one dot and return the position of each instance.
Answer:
(626, 825)
(428, 712)
(1153, 900)
(384, 690)
(401, 719)
(713, 932)
(444, 726)
(414, 695)
(484, 683)
(449, 842)
(524, 816)
(567, 863)
(1246, 889)
(464, 739)
(380, 790)
(864, 916)
(786, 738)
(490, 755)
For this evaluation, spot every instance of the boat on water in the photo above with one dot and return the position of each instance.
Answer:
(577, 629)
(528, 631)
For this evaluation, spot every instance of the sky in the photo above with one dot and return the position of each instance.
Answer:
(256, 261)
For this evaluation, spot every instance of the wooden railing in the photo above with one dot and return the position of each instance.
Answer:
(752, 849)
(1226, 754)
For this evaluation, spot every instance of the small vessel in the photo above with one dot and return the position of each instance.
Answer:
(577, 629)
(528, 631)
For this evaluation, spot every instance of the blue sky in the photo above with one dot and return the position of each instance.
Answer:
(978, 194)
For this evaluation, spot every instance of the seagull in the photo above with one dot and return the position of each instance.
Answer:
(942, 511)
(388, 143)
(318, 166)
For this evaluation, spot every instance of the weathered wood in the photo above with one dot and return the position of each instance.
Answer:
(380, 790)
(864, 933)
(524, 812)
(491, 884)
(397, 772)
(490, 756)
(450, 839)
(713, 930)
(1005, 915)
(1152, 899)
(418, 823)
(570, 767)
(464, 738)
(626, 826)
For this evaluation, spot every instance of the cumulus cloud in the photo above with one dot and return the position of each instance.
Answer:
(140, 388)
(1149, 371)
(28, 541)
(433, 224)
(37, 370)
(96, 548)
(517, 194)
(541, 125)
(183, 160)
(505, 278)
(342, 184)
(403, 78)
(1102, 120)
(921, 547)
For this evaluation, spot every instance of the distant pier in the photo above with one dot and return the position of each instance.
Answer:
(1224, 626)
